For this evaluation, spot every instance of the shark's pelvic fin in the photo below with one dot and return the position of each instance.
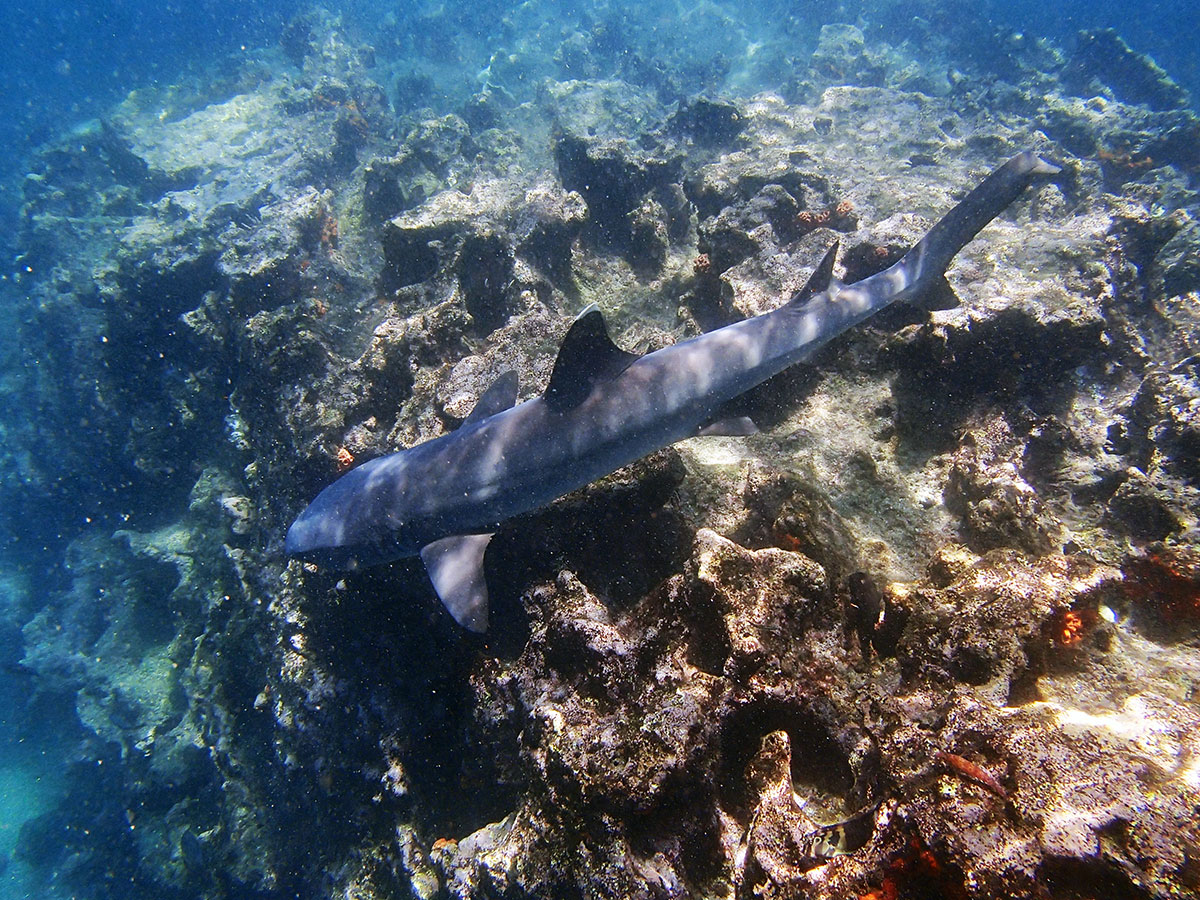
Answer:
(455, 566)
(734, 426)
(939, 295)
(500, 396)
(587, 357)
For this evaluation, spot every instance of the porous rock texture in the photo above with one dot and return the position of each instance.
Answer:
(948, 597)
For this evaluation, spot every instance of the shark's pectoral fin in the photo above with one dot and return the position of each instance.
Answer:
(455, 566)
(587, 357)
(734, 426)
(500, 396)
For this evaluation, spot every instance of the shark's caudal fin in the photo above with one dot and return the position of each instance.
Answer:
(926, 263)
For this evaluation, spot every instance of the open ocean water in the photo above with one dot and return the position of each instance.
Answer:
(248, 246)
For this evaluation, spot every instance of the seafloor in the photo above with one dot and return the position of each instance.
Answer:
(950, 593)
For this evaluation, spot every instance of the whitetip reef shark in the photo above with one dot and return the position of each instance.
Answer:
(605, 408)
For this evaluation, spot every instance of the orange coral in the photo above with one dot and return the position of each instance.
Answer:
(1124, 160)
(1070, 629)
(329, 230)
(1166, 582)
(345, 459)
(806, 218)
(917, 872)
(702, 265)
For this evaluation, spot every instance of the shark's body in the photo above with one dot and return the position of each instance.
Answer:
(603, 409)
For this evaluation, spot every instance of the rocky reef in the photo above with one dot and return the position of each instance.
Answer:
(931, 633)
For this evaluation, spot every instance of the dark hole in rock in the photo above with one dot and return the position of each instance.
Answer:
(153, 615)
(1163, 586)
(709, 123)
(821, 772)
(709, 648)
(411, 667)
(613, 182)
(1010, 355)
(972, 665)
(725, 242)
(549, 248)
(148, 316)
(383, 198)
(410, 256)
(1089, 878)
(1137, 508)
(620, 539)
(685, 818)
(1024, 689)
(268, 289)
(485, 276)
(710, 302)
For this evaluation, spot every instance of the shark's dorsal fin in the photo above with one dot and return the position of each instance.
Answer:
(587, 357)
(496, 399)
(820, 279)
(455, 566)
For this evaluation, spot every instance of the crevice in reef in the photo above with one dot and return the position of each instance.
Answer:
(821, 771)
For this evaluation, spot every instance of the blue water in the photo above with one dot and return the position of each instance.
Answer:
(66, 64)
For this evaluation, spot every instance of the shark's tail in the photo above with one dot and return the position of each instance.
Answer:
(925, 263)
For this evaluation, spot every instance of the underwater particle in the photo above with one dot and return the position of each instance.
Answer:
(971, 772)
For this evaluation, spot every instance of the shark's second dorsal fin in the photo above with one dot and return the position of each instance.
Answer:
(587, 357)
(496, 399)
(819, 280)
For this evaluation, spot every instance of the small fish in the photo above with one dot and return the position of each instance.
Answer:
(865, 609)
(839, 839)
(971, 772)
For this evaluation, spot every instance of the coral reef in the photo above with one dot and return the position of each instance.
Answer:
(931, 633)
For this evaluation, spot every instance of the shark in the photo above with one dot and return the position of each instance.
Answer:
(604, 408)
